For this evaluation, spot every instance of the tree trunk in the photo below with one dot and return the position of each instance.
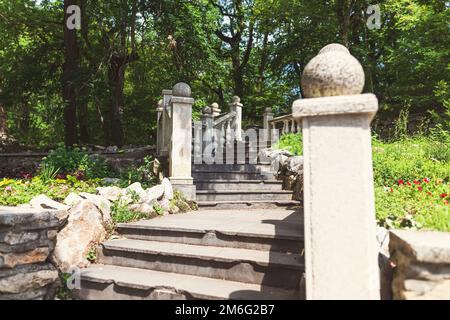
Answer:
(117, 81)
(3, 124)
(343, 10)
(71, 54)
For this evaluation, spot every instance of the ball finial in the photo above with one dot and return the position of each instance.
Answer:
(236, 99)
(333, 72)
(181, 90)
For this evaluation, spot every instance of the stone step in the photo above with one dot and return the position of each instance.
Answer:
(250, 168)
(243, 195)
(232, 175)
(101, 282)
(254, 185)
(255, 204)
(232, 264)
(270, 230)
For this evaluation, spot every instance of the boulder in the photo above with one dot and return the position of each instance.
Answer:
(72, 199)
(154, 193)
(142, 207)
(137, 189)
(101, 203)
(27, 278)
(110, 193)
(168, 189)
(44, 202)
(295, 164)
(84, 227)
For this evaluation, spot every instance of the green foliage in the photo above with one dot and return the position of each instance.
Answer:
(120, 213)
(158, 209)
(412, 182)
(291, 142)
(76, 160)
(15, 192)
(92, 254)
(48, 172)
(145, 174)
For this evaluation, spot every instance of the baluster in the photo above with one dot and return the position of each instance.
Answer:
(293, 129)
(228, 134)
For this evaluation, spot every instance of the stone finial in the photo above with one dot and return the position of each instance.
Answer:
(268, 110)
(333, 72)
(236, 99)
(215, 109)
(182, 90)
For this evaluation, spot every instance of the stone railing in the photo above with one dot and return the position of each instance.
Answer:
(174, 136)
(27, 240)
(341, 254)
(276, 127)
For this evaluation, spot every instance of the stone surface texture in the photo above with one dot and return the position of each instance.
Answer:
(27, 239)
(339, 204)
(333, 72)
(422, 261)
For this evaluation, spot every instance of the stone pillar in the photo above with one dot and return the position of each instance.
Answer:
(236, 106)
(267, 117)
(208, 136)
(340, 225)
(180, 167)
(159, 126)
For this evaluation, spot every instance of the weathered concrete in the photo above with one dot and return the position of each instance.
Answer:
(422, 262)
(340, 226)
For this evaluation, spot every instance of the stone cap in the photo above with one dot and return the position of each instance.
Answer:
(355, 104)
(333, 72)
(182, 89)
(236, 101)
(422, 246)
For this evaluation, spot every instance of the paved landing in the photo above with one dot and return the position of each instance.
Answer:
(268, 223)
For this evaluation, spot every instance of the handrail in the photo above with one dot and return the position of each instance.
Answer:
(226, 117)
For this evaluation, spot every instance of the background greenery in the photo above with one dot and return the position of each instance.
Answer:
(127, 51)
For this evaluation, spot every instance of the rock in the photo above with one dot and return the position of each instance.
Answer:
(154, 193)
(295, 164)
(101, 203)
(72, 199)
(112, 149)
(111, 180)
(168, 189)
(84, 227)
(110, 193)
(11, 260)
(165, 204)
(173, 209)
(143, 207)
(28, 279)
(44, 202)
(137, 189)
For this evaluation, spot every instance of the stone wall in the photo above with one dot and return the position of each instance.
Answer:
(422, 265)
(27, 239)
(12, 164)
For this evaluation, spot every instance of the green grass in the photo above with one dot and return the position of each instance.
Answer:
(412, 179)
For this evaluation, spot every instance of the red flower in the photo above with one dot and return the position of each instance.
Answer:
(416, 182)
(409, 183)
(401, 182)
(420, 188)
(444, 195)
(426, 180)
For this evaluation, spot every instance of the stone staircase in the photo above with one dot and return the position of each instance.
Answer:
(245, 243)
(210, 254)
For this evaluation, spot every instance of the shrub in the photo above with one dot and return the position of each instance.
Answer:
(77, 161)
(145, 174)
(292, 142)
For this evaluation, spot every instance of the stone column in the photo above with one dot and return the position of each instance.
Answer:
(340, 225)
(267, 117)
(236, 106)
(208, 136)
(180, 167)
(159, 127)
